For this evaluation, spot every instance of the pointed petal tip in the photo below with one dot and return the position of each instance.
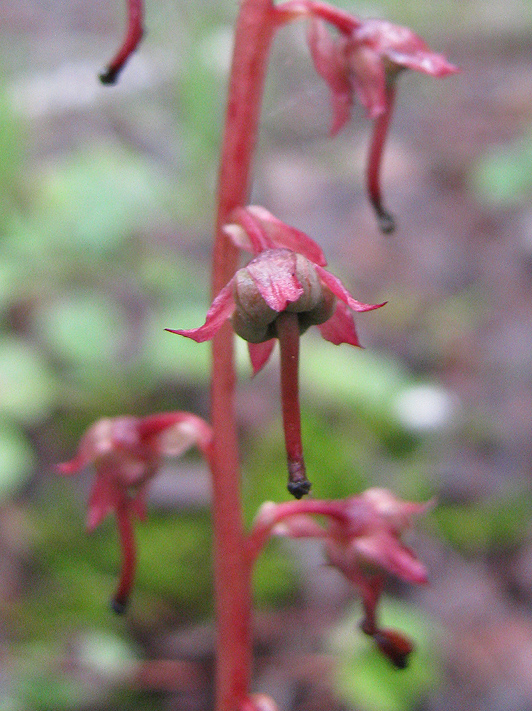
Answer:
(68, 468)
(191, 333)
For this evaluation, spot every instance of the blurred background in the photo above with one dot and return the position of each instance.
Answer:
(106, 205)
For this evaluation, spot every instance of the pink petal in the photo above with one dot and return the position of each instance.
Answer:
(73, 466)
(174, 432)
(340, 328)
(339, 290)
(387, 552)
(259, 354)
(299, 526)
(369, 79)
(221, 309)
(274, 274)
(283, 235)
(104, 499)
(423, 61)
(256, 232)
(332, 68)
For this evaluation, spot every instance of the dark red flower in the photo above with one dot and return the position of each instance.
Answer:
(126, 453)
(362, 540)
(286, 275)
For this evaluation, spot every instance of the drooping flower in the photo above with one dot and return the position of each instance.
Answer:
(362, 539)
(287, 274)
(279, 295)
(126, 453)
(363, 60)
(366, 62)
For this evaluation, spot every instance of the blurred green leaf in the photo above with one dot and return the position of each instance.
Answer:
(84, 328)
(17, 460)
(366, 680)
(27, 388)
(502, 177)
(495, 524)
(97, 199)
(352, 377)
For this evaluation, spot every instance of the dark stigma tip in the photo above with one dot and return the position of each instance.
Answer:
(108, 76)
(298, 489)
(118, 606)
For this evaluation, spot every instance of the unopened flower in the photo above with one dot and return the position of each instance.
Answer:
(278, 295)
(362, 540)
(126, 453)
(276, 281)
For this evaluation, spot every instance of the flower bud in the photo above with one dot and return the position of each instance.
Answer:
(278, 280)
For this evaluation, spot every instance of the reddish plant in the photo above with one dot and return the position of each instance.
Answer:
(283, 290)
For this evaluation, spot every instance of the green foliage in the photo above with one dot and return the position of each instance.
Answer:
(79, 571)
(275, 578)
(492, 525)
(502, 177)
(16, 461)
(367, 681)
(39, 683)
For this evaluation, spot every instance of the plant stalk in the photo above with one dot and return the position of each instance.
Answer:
(232, 576)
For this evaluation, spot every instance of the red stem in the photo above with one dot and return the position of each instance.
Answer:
(129, 559)
(131, 41)
(287, 325)
(378, 139)
(232, 578)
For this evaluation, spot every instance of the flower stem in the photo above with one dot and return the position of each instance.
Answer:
(287, 325)
(380, 131)
(129, 559)
(135, 30)
(232, 578)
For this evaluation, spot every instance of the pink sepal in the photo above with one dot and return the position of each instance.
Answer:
(259, 354)
(275, 278)
(105, 498)
(387, 552)
(331, 66)
(339, 290)
(221, 309)
(340, 328)
(283, 235)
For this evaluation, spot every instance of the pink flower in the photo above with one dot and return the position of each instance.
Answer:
(126, 453)
(363, 60)
(278, 279)
(367, 58)
(362, 540)
(279, 294)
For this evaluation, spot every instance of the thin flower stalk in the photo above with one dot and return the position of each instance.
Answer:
(134, 34)
(380, 131)
(287, 325)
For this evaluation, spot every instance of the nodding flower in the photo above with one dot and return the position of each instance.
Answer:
(279, 294)
(362, 539)
(126, 453)
(363, 60)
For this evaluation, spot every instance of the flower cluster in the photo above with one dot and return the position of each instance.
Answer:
(126, 453)
(362, 540)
